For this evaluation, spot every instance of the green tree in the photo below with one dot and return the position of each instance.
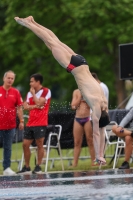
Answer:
(91, 28)
(26, 53)
(104, 25)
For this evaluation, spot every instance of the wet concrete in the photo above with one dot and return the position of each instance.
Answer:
(95, 185)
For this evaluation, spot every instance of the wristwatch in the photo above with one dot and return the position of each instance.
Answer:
(22, 121)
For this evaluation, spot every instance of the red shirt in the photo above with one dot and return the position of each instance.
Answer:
(39, 117)
(9, 100)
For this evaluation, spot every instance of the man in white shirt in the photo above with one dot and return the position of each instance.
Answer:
(103, 85)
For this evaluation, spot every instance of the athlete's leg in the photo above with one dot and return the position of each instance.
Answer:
(78, 132)
(89, 139)
(120, 131)
(58, 51)
(102, 141)
(26, 149)
(128, 147)
(39, 143)
(53, 36)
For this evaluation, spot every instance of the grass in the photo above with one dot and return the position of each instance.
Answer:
(83, 164)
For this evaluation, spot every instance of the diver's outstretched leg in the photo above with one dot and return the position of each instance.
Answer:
(60, 53)
(53, 36)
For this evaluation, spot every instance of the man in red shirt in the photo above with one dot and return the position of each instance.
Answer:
(10, 104)
(37, 103)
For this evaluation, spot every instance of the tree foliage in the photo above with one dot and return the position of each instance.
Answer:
(91, 28)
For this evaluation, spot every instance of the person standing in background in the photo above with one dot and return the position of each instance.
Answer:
(82, 124)
(37, 103)
(10, 107)
(103, 86)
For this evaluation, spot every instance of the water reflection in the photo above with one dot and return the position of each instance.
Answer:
(97, 185)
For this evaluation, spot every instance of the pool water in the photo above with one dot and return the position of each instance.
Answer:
(95, 185)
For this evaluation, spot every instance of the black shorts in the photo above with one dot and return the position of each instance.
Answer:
(34, 132)
(76, 61)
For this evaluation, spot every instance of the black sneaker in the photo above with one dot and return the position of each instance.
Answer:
(37, 170)
(125, 165)
(25, 170)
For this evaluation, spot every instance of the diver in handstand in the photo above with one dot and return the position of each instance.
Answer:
(77, 65)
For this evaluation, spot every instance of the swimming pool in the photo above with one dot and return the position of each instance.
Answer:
(95, 185)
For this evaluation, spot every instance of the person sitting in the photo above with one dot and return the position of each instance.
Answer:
(127, 135)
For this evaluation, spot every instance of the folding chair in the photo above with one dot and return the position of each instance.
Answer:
(119, 146)
(119, 143)
(108, 134)
(49, 145)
